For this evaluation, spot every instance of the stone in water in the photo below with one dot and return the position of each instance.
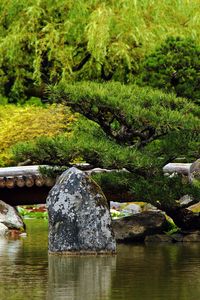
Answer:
(79, 217)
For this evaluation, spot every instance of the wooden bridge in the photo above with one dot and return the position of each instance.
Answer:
(25, 185)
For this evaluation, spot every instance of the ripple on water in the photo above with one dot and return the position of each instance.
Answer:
(138, 272)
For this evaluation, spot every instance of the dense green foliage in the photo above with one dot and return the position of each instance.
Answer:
(157, 189)
(143, 128)
(175, 66)
(139, 129)
(43, 42)
(133, 116)
(140, 124)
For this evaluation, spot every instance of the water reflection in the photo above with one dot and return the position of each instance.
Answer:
(85, 277)
(23, 265)
(161, 271)
(138, 272)
(9, 249)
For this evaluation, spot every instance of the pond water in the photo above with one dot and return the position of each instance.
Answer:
(137, 272)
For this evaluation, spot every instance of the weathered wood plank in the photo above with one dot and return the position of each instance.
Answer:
(34, 170)
(20, 171)
(29, 181)
(10, 182)
(39, 181)
(2, 182)
(20, 181)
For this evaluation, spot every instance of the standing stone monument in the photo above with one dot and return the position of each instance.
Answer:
(79, 217)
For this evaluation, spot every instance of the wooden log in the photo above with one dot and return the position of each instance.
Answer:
(49, 181)
(39, 181)
(10, 182)
(29, 181)
(180, 168)
(2, 182)
(20, 181)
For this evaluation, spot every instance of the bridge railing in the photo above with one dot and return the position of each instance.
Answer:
(28, 176)
(23, 176)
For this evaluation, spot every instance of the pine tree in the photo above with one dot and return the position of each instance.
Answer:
(139, 129)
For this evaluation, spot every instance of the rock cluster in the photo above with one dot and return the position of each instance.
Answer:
(138, 226)
(151, 225)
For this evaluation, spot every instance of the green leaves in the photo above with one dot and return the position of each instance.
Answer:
(136, 110)
(123, 126)
(98, 25)
(45, 42)
(175, 66)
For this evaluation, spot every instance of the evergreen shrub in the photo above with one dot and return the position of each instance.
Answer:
(123, 126)
(174, 67)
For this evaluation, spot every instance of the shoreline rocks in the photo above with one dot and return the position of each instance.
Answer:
(136, 227)
(126, 233)
(4, 231)
(10, 220)
(181, 237)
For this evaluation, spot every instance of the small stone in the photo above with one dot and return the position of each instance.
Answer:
(195, 208)
(185, 201)
(10, 217)
(115, 205)
(132, 209)
(150, 207)
(23, 234)
(4, 231)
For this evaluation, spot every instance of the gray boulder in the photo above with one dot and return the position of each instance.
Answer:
(194, 171)
(79, 217)
(10, 217)
(132, 209)
(185, 201)
(137, 227)
(3, 230)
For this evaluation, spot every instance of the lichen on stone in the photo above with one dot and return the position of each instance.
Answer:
(80, 208)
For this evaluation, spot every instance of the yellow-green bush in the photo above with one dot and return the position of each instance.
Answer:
(25, 123)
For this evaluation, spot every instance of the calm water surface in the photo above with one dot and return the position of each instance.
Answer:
(138, 272)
